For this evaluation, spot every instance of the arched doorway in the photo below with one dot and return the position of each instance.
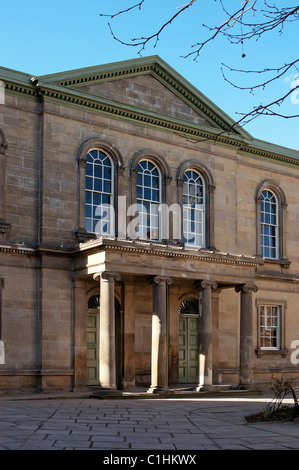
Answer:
(188, 341)
(93, 334)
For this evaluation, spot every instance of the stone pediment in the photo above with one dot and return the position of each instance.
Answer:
(148, 93)
(147, 84)
(184, 110)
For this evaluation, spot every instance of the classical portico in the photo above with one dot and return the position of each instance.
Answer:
(162, 290)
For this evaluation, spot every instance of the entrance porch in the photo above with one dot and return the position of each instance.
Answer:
(145, 336)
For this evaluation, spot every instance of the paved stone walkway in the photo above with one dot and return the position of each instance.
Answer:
(149, 424)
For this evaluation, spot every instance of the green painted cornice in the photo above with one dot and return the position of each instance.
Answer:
(265, 150)
(63, 88)
(135, 114)
(17, 82)
(159, 69)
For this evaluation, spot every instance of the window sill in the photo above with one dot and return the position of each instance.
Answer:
(269, 352)
(285, 263)
(83, 236)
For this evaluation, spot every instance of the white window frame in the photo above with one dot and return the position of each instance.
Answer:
(193, 215)
(102, 214)
(147, 229)
(270, 322)
(267, 225)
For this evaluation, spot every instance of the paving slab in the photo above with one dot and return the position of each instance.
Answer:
(152, 424)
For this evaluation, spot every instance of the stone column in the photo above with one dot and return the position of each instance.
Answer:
(173, 335)
(246, 333)
(107, 363)
(215, 309)
(159, 379)
(80, 378)
(205, 336)
(129, 335)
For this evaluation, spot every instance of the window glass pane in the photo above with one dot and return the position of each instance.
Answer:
(88, 225)
(89, 183)
(98, 184)
(87, 210)
(89, 169)
(107, 187)
(155, 195)
(139, 192)
(96, 198)
(106, 199)
(147, 194)
(107, 173)
(147, 181)
(88, 197)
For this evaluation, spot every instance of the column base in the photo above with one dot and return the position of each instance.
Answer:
(204, 388)
(156, 390)
(245, 386)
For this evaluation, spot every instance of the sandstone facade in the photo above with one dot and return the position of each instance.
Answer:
(79, 308)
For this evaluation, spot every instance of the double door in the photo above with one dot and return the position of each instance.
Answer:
(188, 349)
(93, 347)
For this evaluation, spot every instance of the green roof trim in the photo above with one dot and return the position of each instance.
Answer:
(160, 70)
(63, 87)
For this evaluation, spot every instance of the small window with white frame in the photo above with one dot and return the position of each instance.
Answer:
(271, 326)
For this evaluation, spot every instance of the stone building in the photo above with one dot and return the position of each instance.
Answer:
(144, 240)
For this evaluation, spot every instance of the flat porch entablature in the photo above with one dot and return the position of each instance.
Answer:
(131, 258)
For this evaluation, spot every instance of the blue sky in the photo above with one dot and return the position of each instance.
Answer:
(52, 36)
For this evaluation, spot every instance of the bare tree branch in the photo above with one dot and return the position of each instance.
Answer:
(143, 41)
(138, 5)
(269, 19)
(279, 73)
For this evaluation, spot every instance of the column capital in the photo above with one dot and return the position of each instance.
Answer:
(246, 288)
(160, 280)
(205, 284)
(108, 276)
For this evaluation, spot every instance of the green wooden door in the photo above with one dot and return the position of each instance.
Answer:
(92, 347)
(188, 349)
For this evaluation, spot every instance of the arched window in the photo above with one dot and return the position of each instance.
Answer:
(193, 209)
(269, 225)
(99, 216)
(189, 307)
(148, 200)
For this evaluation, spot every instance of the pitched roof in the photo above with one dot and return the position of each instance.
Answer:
(70, 88)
